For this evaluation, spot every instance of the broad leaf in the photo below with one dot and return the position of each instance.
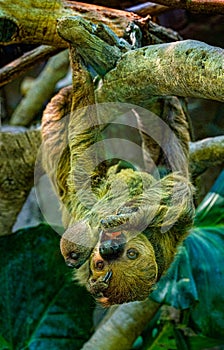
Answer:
(40, 307)
(165, 340)
(211, 211)
(195, 280)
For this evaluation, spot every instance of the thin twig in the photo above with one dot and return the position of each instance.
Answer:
(148, 8)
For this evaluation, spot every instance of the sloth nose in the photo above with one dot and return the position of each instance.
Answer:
(111, 249)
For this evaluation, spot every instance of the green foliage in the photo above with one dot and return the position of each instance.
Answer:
(195, 281)
(40, 307)
(165, 339)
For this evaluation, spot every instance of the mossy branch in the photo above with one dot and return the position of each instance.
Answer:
(186, 68)
(34, 21)
(206, 153)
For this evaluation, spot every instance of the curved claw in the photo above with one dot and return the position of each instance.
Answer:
(121, 219)
(114, 221)
(127, 210)
(107, 277)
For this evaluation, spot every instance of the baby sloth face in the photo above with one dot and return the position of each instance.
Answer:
(123, 268)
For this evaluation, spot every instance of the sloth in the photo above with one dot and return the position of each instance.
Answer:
(122, 236)
(131, 249)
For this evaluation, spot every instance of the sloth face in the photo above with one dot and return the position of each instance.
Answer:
(122, 268)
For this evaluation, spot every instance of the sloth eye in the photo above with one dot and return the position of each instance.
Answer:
(73, 255)
(132, 254)
(99, 265)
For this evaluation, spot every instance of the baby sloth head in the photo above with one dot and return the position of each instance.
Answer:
(122, 268)
(77, 244)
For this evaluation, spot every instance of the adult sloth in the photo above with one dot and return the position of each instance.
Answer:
(123, 226)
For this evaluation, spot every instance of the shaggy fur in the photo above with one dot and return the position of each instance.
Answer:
(143, 218)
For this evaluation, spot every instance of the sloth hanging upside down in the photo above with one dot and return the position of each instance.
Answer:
(123, 226)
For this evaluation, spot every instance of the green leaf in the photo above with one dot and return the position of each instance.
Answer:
(211, 210)
(40, 307)
(195, 280)
(201, 343)
(165, 339)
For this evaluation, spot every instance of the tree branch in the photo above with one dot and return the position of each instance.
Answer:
(41, 90)
(185, 68)
(17, 161)
(206, 153)
(148, 8)
(123, 327)
(200, 6)
(17, 67)
(34, 21)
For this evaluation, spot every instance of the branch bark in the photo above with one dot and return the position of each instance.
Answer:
(123, 327)
(206, 153)
(185, 68)
(41, 90)
(200, 6)
(34, 21)
(17, 67)
(18, 157)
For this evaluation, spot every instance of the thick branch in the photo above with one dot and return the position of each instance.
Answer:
(123, 327)
(28, 60)
(205, 154)
(41, 90)
(18, 156)
(185, 68)
(34, 21)
(89, 39)
(201, 6)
